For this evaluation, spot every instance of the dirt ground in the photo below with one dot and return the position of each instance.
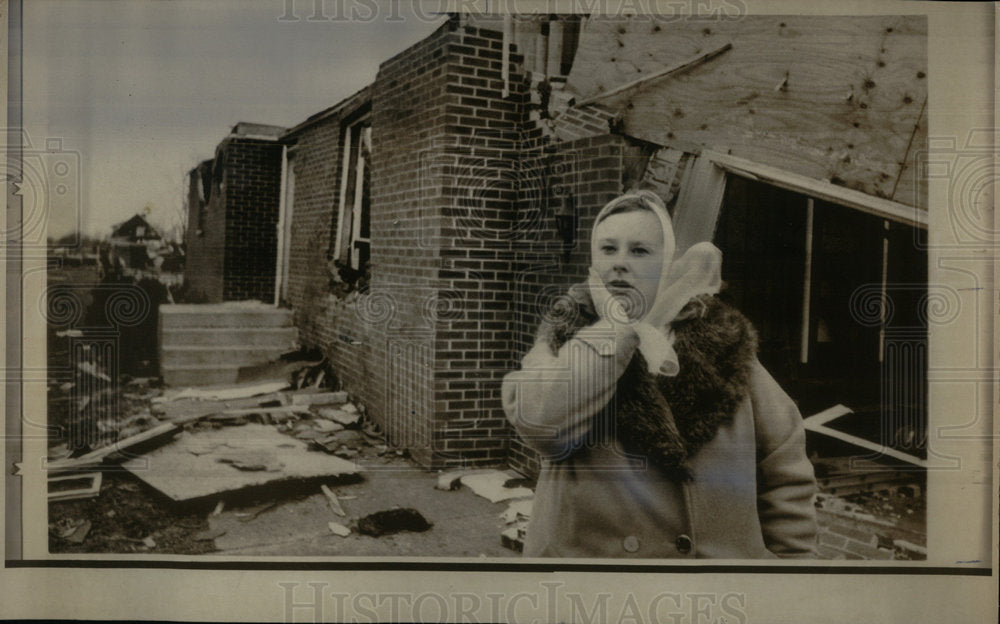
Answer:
(129, 517)
(287, 518)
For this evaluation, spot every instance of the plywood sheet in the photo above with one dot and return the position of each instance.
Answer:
(219, 461)
(834, 98)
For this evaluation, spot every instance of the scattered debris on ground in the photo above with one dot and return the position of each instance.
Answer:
(190, 452)
(210, 445)
(392, 521)
(516, 517)
(74, 486)
(333, 501)
(120, 518)
(493, 485)
(116, 451)
(497, 486)
(339, 529)
(870, 510)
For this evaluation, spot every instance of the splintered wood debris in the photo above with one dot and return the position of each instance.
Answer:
(332, 499)
(339, 529)
(214, 462)
(227, 393)
(74, 486)
(128, 447)
(517, 510)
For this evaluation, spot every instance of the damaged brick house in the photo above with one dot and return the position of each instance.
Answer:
(232, 203)
(427, 221)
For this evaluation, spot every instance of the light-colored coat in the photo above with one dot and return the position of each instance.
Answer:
(751, 495)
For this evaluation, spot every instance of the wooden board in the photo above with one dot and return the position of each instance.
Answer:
(122, 448)
(190, 467)
(832, 98)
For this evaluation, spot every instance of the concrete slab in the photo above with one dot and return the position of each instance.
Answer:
(465, 525)
(232, 459)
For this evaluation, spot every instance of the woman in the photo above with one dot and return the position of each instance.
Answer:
(661, 434)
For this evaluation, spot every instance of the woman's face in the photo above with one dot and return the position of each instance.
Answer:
(628, 255)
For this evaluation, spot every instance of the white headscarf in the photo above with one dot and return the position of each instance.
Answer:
(697, 272)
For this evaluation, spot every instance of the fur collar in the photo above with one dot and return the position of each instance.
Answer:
(667, 419)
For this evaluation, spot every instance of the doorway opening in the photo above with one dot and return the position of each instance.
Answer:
(837, 296)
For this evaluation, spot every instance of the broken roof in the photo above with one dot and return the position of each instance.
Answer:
(834, 98)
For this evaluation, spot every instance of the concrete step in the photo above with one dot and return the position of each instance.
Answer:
(183, 376)
(232, 315)
(218, 356)
(277, 337)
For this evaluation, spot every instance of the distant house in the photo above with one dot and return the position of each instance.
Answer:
(426, 223)
(134, 244)
(135, 230)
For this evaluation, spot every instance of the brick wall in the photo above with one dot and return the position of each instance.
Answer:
(464, 245)
(588, 173)
(205, 238)
(582, 122)
(253, 184)
(232, 214)
(484, 165)
(379, 341)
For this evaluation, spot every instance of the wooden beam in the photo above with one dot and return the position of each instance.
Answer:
(669, 71)
(807, 282)
(698, 204)
(97, 457)
(820, 189)
(817, 424)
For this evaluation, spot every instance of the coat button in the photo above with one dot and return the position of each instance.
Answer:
(631, 543)
(683, 544)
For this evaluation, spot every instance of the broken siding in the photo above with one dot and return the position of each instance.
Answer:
(840, 99)
(205, 239)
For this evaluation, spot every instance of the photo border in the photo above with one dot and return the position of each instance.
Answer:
(16, 496)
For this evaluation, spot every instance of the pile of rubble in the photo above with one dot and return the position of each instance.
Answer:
(202, 447)
(867, 510)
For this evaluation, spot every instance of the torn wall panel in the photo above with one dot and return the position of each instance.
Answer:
(832, 98)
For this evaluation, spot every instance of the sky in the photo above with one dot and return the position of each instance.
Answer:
(132, 94)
